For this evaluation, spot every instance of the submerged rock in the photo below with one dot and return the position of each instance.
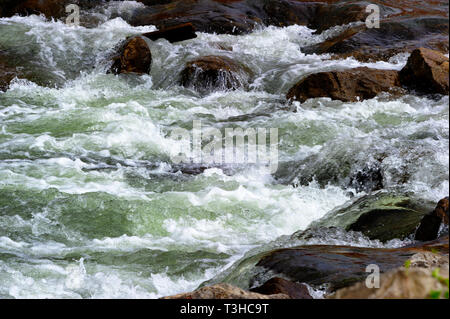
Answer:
(210, 73)
(431, 223)
(224, 291)
(426, 71)
(381, 216)
(347, 86)
(134, 57)
(7, 73)
(282, 286)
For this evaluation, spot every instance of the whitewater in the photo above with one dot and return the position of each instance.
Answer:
(91, 205)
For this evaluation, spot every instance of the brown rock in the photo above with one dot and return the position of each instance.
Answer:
(426, 71)
(336, 266)
(134, 57)
(173, 34)
(212, 73)
(282, 286)
(224, 291)
(414, 283)
(347, 86)
(431, 223)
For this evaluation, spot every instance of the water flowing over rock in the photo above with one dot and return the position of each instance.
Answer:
(382, 215)
(6, 74)
(134, 57)
(426, 71)
(431, 223)
(242, 16)
(404, 27)
(225, 291)
(211, 73)
(347, 86)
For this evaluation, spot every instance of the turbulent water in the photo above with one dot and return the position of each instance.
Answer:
(90, 203)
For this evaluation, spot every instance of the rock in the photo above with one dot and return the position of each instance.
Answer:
(211, 73)
(369, 179)
(334, 266)
(7, 73)
(224, 291)
(404, 26)
(134, 57)
(174, 34)
(281, 286)
(348, 86)
(431, 223)
(381, 215)
(242, 16)
(49, 8)
(415, 283)
(426, 71)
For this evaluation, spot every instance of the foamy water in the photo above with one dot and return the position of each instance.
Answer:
(90, 205)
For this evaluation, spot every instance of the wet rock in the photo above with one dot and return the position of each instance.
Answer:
(224, 291)
(173, 34)
(281, 286)
(211, 73)
(431, 223)
(402, 283)
(427, 71)
(347, 86)
(134, 57)
(7, 73)
(369, 179)
(404, 26)
(49, 8)
(381, 215)
(334, 266)
(242, 16)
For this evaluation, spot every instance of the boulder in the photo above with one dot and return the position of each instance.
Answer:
(134, 57)
(173, 34)
(242, 16)
(380, 215)
(426, 71)
(401, 283)
(348, 86)
(211, 73)
(282, 286)
(224, 291)
(49, 8)
(404, 26)
(335, 266)
(431, 223)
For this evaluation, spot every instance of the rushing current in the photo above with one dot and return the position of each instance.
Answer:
(91, 205)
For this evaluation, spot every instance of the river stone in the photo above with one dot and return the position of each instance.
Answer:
(211, 73)
(381, 215)
(401, 283)
(134, 57)
(431, 223)
(347, 86)
(224, 291)
(282, 286)
(336, 266)
(426, 71)
(242, 16)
